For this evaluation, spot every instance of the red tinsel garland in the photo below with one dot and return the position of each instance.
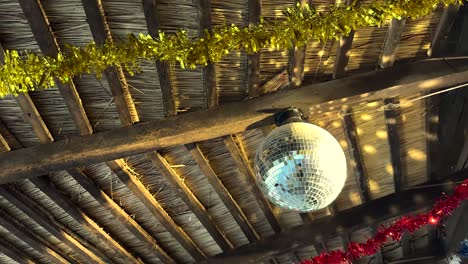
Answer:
(442, 207)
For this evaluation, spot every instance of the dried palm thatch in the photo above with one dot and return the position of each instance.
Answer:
(69, 24)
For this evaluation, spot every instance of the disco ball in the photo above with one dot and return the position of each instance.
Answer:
(300, 167)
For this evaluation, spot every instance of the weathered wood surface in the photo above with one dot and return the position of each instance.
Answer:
(230, 118)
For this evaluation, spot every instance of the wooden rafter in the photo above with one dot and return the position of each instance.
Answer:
(242, 163)
(114, 74)
(392, 42)
(232, 118)
(28, 207)
(355, 153)
(112, 247)
(223, 193)
(253, 74)
(370, 213)
(152, 22)
(442, 30)
(128, 222)
(343, 53)
(298, 59)
(320, 247)
(13, 253)
(39, 24)
(209, 71)
(189, 199)
(148, 200)
(392, 120)
(63, 202)
(40, 245)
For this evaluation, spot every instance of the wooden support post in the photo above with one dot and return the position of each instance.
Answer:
(223, 193)
(164, 74)
(253, 76)
(367, 214)
(355, 153)
(392, 42)
(403, 80)
(190, 200)
(392, 120)
(100, 30)
(246, 171)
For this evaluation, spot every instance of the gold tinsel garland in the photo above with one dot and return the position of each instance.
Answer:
(25, 72)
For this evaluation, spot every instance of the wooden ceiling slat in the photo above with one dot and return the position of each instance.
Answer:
(246, 171)
(114, 74)
(355, 153)
(370, 213)
(41, 30)
(190, 200)
(209, 71)
(123, 217)
(40, 245)
(14, 254)
(253, 69)
(148, 200)
(152, 23)
(62, 201)
(392, 42)
(403, 80)
(442, 30)
(223, 193)
(392, 121)
(26, 206)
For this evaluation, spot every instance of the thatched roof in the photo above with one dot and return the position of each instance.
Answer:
(163, 207)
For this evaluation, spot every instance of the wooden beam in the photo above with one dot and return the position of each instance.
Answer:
(356, 155)
(152, 22)
(392, 42)
(342, 55)
(148, 200)
(33, 117)
(38, 244)
(209, 71)
(190, 200)
(253, 69)
(439, 39)
(128, 222)
(242, 163)
(62, 201)
(14, 254)
(39, 24)
(367, 214)
(392, 120)
(231, 118)
(223, 193)
(30, 208)
(100, 30)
